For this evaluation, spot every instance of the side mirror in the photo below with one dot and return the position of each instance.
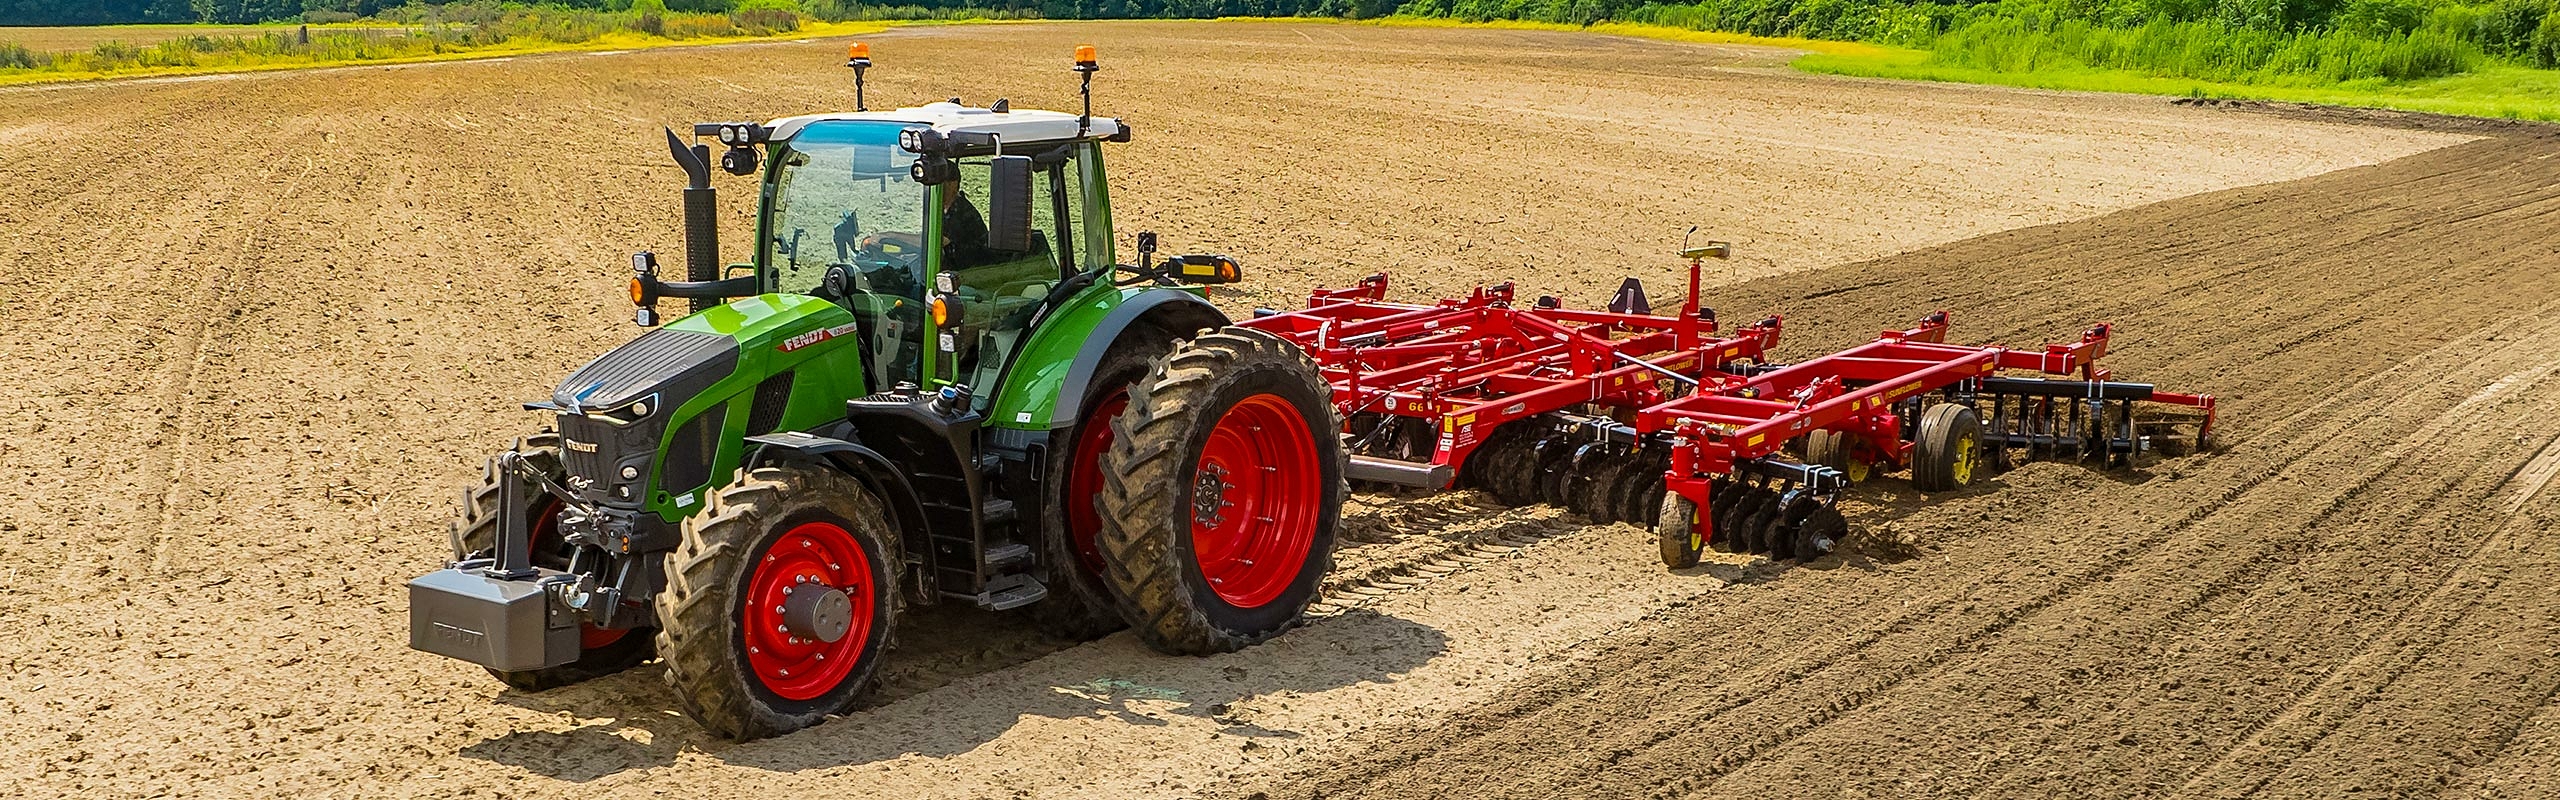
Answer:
(1009, 204)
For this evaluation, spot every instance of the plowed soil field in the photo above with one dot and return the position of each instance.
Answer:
(261, 328)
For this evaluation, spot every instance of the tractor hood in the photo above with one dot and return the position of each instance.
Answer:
(674, 363)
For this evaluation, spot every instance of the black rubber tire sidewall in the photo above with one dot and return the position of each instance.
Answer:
(704, 640)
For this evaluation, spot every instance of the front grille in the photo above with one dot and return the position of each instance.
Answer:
(690, 450)
(587, 447)
(613, 447)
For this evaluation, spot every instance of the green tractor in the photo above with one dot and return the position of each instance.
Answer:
(901, 400)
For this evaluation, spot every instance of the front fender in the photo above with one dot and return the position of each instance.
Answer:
(1046, 386)
(876, 471)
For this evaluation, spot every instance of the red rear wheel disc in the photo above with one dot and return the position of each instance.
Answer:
(1256, 495)
(1084, 480)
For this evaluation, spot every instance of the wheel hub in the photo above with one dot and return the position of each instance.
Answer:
(1209, 496)
(817, 611)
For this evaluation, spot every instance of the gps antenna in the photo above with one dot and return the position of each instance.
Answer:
(1086, 66)
(858, 57)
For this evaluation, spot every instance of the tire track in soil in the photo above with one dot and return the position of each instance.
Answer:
(2261, 558)
(2347, 686)
(1392, 546)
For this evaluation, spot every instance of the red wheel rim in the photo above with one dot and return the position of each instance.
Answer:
(545, 538)
(810, 556)
(1255, 497)
(1084, 480)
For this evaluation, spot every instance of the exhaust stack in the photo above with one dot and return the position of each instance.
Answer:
(701, 223)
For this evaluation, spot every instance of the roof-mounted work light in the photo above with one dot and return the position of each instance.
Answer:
(858, 56)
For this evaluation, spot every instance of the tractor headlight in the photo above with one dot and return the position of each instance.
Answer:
(729, 134)
(638, 410)
(908, 141)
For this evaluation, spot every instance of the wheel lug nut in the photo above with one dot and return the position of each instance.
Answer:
(786, 591)
(777, 609)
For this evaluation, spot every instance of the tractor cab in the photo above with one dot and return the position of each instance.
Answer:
(987, 210)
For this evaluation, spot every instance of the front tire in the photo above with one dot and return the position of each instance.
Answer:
(473, 533)
(1222, 488)
(780, 601)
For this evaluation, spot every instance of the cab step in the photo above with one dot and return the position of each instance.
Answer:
(1011, 591)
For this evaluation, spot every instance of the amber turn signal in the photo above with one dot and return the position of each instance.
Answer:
(637, 296)
(941, 312)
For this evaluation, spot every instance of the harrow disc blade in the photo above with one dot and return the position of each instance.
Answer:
(1554, 468)
(1727, 496)
(1640, 499)
(1512, 470)
(1821, 533)
(1761, 520)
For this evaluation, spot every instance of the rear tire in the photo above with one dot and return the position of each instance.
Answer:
(1079, 606)
(1221, 491)
(737, 665)
(1948, 450)
(473, 533)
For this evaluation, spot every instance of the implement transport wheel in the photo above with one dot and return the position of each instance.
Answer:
(1837, 450)
(1682, 531)
(1947, 453)
(1220, 493)
(474, 534)
(779, 601)
(1079, 605)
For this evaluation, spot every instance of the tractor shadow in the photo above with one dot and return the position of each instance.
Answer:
(972, 676)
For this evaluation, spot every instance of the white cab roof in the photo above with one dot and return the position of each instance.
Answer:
(1022, 125)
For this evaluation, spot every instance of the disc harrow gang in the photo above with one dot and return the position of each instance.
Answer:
(1625, 416)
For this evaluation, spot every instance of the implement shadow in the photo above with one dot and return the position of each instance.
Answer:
(1116, 678)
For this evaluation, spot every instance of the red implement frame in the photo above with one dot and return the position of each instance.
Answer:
(1741, 418)
(1468, 365)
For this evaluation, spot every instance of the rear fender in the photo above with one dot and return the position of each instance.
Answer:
(1045, 388)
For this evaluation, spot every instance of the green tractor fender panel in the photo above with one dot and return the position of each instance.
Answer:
(797, 361)
(1048, 380)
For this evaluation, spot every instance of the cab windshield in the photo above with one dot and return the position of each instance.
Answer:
(844, 222)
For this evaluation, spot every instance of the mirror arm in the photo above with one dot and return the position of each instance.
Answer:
(706, 290)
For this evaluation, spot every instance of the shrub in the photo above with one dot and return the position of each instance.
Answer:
(2381, 17)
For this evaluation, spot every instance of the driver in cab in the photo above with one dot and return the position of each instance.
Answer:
(964, 231)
